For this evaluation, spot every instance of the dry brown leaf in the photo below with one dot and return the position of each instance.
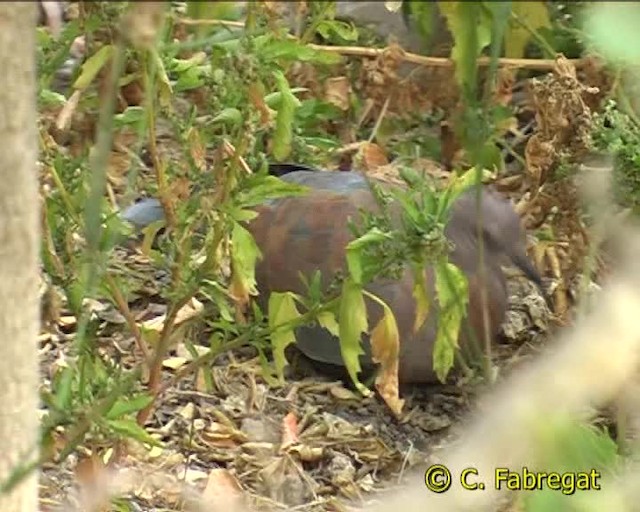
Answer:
(91, 476)
(133, 93)
(190, 310)
(504, 86)
(197, 149)
(118, 168)
(369, 157)
(63, 121)
(180, 189)
(256, 97)
(337, 91)
(223, 491)
(307, 453)
(218, 435)
(539, 252)
(539, 155)
(289, 431)
(342, 393)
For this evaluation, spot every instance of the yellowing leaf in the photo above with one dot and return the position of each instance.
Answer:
(93, 65)
(385, 349)
(197, 149)
(530, 16)
(165, 91)
(282, 310)
(150, 233)
(452, 289)
(420, 294)
(353, 322)
(385, 340)
(244, 255)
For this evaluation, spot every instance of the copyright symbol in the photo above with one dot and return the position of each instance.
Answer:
(437, 478)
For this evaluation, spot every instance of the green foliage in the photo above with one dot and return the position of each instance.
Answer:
(567, 446)
(616, 133)
(453, 296)
(353, 323)
(282, 311)
(410, 235)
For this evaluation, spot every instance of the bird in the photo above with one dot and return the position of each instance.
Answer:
(299, 235)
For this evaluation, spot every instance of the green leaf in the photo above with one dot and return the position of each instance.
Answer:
(284, 121)
(452, 290)
(282, 309)
(268, 373)
(291, 50)
(190, 79)
(51, 98)
(150, 233)
(180, 66)
(342, 29)
(93, 65)
(465, 181)
(259, 189)
(165, 91)
(242, 215)
(132, 116)
(128, 406)
(229, 115)
(244, 256)
(355, 248)
(274, 99)
(353, 322)
(64, 390)
(328, 320)
(211, 11)
(532, 16)
(470, 26)
(130, 429)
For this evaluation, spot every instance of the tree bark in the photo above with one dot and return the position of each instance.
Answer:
(19, 254)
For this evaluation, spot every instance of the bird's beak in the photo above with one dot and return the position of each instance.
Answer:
(520, 259)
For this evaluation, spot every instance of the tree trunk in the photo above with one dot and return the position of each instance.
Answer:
(19, 254)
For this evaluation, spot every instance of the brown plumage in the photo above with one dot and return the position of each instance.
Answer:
(299, 235)
(302, 234)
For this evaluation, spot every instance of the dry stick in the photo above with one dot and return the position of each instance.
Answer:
(231, 152)
(383, 113)
(155, 374)
(437, 62)
(123, 306)
(444, 62)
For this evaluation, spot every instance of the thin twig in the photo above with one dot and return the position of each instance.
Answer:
(123, 306)
(443, 62)
(222, 23)
(383, 113)
(230, 152)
